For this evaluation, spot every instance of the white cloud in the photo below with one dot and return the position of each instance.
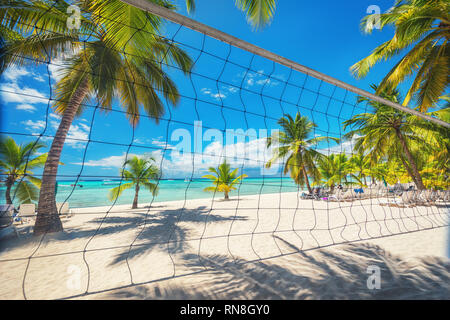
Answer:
(108, 162)
(264, 81)
(77, 136)
(344, 147)
(57, 67)
(259, 78)
(248, 155)
(34, 125)
(160, 142)
(26, 107)
(38, 78)
(213, 94)
(55, 116)
(14, 73)
(231, 89)
(11, 92)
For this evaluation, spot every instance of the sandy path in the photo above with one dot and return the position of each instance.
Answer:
(182, 240)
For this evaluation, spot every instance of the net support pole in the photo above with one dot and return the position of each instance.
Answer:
(236, 42)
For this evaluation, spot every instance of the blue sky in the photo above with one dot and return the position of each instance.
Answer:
(231, 93)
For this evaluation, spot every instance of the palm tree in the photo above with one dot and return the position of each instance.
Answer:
(16, 163)
(115, 54)
(333, 169)
(389, 134)
(259, 12)
(139, 173)
(423, 28)
(360, 168)
(296, 143)
(435, 164)
(223, 179)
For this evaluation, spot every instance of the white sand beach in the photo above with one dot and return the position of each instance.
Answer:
(258, 246)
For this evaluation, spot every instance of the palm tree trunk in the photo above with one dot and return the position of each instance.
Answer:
(410, 172)
(8, 192)
(136, 195)
(415, 172)
(227, 197)
(47, 219)
(306, 180)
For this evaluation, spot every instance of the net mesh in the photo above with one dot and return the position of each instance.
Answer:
(229, 104)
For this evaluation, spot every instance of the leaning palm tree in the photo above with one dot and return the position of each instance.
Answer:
(137, 172)
(16, 163)
(387, 133)
(115, 54)
(333, 169)
(297, 145)
(421, 27)
(224, 179)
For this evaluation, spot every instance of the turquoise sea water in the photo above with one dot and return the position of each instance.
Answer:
(95, 193)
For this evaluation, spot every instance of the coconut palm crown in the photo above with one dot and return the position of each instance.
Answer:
(296, 143)
(422, 28)
(224, 179)
(333, 169)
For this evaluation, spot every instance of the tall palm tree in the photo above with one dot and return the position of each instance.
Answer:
(423, 28)
(140, 172)
(333, 169)
(296, 142)
(387, 133)
(115, 54)
(224, 179)
(16, 163)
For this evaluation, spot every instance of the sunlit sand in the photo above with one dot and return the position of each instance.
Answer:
(217, 249)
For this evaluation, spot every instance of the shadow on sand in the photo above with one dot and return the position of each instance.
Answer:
(153, 229)
(339, 273)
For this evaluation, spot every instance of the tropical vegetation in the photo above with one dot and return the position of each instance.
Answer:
(259, 12)
(137, 173)
(224, 179)
(422, 29)
(390, 134)
(296, 142)
(333, 170)
(16, 163)
(114, 54)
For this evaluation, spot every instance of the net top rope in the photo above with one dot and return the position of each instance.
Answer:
(236, 42)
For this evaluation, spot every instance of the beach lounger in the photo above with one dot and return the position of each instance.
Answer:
(306, 196)
(63, 208)
(7, 227)
(334, 197)
(406, 200)
(6, 215)
(428, 197)
(27, 209)
(443, 195)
